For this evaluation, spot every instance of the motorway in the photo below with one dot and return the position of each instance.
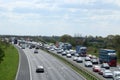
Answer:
(54, 69)
(89, 69)
(23, 69)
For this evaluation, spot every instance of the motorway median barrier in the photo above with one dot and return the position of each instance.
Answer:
(85, 73)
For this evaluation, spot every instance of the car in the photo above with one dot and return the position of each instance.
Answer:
(30, 47)
(105, 65)
(52, 49)
(88, 64)
(69, 55)
(107, 74)
(72, 52)
(37, 47)
(75, 58)
(96, 68)
(93, 57)
(119, 68)
(116, 75)
(79, 59)
(94, 61)
(35, 51)
(101, 71)
(63, 53)
(59, 50)
(89, 55)
(39, 69)
(87, 58)
(23, 46)
(67, 51)
(76, 54)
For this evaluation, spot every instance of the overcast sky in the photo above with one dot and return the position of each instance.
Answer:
(58, 17)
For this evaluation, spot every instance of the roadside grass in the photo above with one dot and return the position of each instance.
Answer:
(9, 65)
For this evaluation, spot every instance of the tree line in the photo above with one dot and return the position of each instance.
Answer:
(98, 42)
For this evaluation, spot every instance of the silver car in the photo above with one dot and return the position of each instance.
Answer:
(79, 59)
(35, 51)
(108, 74)
(39, 69)
(88, 64)
(75, 58)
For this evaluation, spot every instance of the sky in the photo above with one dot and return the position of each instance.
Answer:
(59, 17)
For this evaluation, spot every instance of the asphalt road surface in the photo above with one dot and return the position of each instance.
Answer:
(54, 69)
(87, 68)
(23, 69)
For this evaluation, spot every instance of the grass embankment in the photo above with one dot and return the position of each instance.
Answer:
(9, 65)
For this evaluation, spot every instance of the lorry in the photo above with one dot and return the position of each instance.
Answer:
(64, 46)
(108, 56)
(15, 41)
(82, 51)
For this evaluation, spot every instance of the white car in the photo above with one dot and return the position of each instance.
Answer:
(52, 49)
(69, 55)
(79, 59)
(108, 74)
(64, 53)
(39, 69)
(76, 54)
(87, 58)
(72, 52)
(116, 75)
(75, 58)
(88, 64)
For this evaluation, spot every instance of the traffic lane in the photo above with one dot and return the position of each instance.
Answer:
(33, 64)
(53, 69)
(61, 68)
(87, 68)
(23, 69)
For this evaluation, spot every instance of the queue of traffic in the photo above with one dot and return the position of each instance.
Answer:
(102, 65)
(105, 65)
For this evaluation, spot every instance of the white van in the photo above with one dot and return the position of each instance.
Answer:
(116, 75)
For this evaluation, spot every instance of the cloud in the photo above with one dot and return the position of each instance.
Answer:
(83, 16)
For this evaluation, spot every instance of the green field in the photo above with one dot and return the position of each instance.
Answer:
(9, 65)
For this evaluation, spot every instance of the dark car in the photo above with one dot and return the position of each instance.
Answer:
(105, 65)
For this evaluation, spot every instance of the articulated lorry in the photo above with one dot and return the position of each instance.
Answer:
(82, 51)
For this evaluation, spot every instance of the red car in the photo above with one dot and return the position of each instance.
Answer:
(96, 68)
(101, 71)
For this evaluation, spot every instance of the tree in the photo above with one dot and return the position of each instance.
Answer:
(67, 39)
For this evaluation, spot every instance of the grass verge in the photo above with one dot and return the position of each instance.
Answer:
(9, 65)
